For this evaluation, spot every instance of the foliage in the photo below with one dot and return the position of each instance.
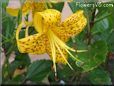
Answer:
(97, 38)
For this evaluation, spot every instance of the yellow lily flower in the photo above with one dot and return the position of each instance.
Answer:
(52, 35)
(29, 5)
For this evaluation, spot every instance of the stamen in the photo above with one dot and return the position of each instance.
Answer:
(79, 51)
(73, 56)
(53, 53)
(63, 56)
(52, 37)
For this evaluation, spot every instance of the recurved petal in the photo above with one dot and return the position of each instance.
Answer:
(47, 19)
(72, 26)
(34, 44)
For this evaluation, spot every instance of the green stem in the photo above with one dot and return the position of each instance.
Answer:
(90, 25)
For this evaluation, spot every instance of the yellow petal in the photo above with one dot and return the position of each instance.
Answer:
(38, 6)
(12, 11)
(73, 25)
(29, 5)
(43, 21)
(26, 7)
(34, 44)
(32, 5)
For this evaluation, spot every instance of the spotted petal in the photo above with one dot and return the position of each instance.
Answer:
(34, 44)
(72, 26)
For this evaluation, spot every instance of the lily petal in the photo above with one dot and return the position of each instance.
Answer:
(72, 26)
(34, 44)
(45, 20)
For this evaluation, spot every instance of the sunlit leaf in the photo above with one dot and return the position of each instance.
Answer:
(95, 56)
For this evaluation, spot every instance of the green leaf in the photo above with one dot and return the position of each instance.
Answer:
(38, 70)
(65, 73)
(100, 26)
(75, 6)
(104, 29)
(5, 71)
(99, 77)
(81, 5)
(8, 36)
(13, 66)
(19, 19)
(58, 6)
(18, 79)
(95, 55)
(23, 59)
(103, 20)
(111, 42)
(102, 15)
